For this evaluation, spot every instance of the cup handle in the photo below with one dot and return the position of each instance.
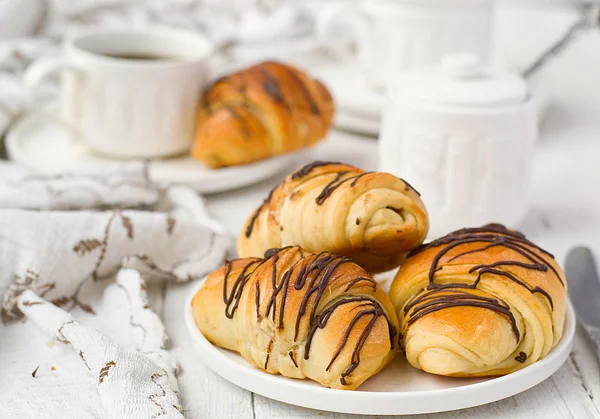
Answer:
(39, 71)
(355, 15)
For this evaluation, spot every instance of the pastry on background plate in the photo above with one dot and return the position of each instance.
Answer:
(479, 302)
(373, 217)
(299, 314)
(262, 111)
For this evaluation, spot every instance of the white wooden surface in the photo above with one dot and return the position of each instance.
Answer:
(565, 211)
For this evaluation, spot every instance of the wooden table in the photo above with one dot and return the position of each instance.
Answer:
(565, 210)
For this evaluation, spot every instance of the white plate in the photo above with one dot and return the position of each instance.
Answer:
(397, 390)
(40, 143)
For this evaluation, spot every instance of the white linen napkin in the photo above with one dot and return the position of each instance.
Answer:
(62, 240)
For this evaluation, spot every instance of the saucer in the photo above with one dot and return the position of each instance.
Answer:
(351, 91)
(356, 124)
(359, 106)
(44, 145)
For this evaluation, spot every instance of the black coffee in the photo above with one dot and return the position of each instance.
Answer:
(141, 56)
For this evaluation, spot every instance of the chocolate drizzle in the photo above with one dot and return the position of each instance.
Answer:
(269, 348)
(338, 181)
(330, 187)
(250, 226)
(266, 202)
(522, 357)
(440, 296)
(207, 104)
(314, 108)
(233, 299)
(444, 297)
(323, 266)
(306, 169)
(246, 128)
(283, 285)
(495, 235)
(314, 276)
(334, 184)
(271, 86)
(411, 187)
(356, 178)
(359, 279)
(371, 308)
(257, 301)
(293, 358)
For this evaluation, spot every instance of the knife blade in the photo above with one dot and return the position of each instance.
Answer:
(584, 291)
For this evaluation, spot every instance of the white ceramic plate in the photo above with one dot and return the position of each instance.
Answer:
(40, 143)
(397, 390)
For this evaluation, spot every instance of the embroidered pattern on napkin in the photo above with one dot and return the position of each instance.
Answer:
(63, 239)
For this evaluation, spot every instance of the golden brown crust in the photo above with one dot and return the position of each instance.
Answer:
(374, 218)
(302, 315)
(479, 302)
(267, 109)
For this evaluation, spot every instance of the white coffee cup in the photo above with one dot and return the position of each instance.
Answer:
(396, 35)
(130, 93)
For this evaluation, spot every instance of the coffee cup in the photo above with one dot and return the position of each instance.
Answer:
(129, 93)
(396, 35)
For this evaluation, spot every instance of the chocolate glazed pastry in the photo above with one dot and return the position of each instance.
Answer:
(299, 314)
(479, 302)
(264, 110)
(375, 218)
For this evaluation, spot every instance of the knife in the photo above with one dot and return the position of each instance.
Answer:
(584, 291)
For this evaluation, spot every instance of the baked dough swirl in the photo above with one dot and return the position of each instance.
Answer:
(479, 302)
(373, 217)
(299, 314)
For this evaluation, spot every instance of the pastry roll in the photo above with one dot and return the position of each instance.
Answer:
(479, 302)
(302, 315)
(267, 109)
(375, 218)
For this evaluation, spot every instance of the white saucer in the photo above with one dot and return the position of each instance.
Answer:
(351, 92)
(397, 390)
(40, 143)
(356, 124)
(359, 105)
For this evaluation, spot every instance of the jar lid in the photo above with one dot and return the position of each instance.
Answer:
(462, 80)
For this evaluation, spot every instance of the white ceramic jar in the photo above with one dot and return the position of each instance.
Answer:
(396, 35)
(462, 134)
